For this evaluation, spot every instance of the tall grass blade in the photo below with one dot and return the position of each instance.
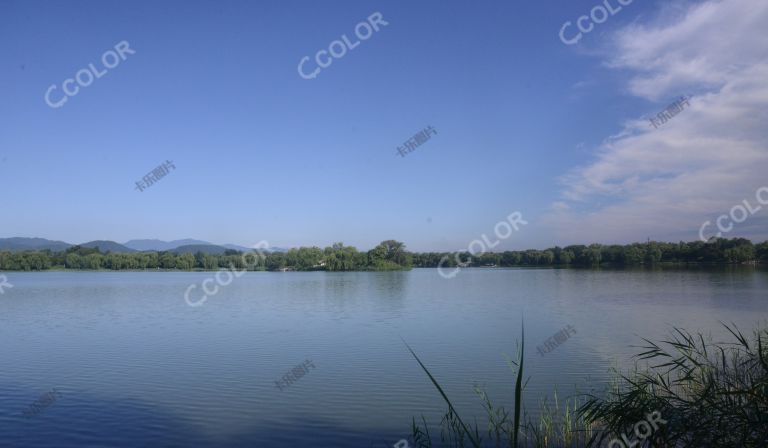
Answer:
(519, 388)
(474, 441)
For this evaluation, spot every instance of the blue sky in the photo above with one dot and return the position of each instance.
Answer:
(525, 123)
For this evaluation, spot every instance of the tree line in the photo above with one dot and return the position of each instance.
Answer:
(392, 255)
(720, 250)
(388, 255)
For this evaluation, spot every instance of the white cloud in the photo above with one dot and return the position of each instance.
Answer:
(560, 206)
(665, 182)
(704, 45)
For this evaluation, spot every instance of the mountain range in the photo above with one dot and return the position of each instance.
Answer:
(18, 244)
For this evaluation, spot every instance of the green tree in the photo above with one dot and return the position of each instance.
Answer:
(73, 261)
(653, 253)
(390, 254)
(632, 255)
(93, 261)
(167, 260)
(275, 261)
(185, 262)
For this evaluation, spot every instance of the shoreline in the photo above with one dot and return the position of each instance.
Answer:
(614, 267)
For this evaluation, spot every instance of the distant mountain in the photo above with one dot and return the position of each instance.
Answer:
(250, 249)
(236, 247)
(21, 244)
(188, 245)
(219, 249)
(160, 245)
(204, 248)
(107, 246)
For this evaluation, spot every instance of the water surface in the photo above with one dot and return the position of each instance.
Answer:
(137, 367)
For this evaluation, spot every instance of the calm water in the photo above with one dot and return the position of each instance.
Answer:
(137, 367)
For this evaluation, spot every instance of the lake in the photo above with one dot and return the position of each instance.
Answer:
(135, 366)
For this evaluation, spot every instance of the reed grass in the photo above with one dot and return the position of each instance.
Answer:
(504, 428)
(708, 394)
